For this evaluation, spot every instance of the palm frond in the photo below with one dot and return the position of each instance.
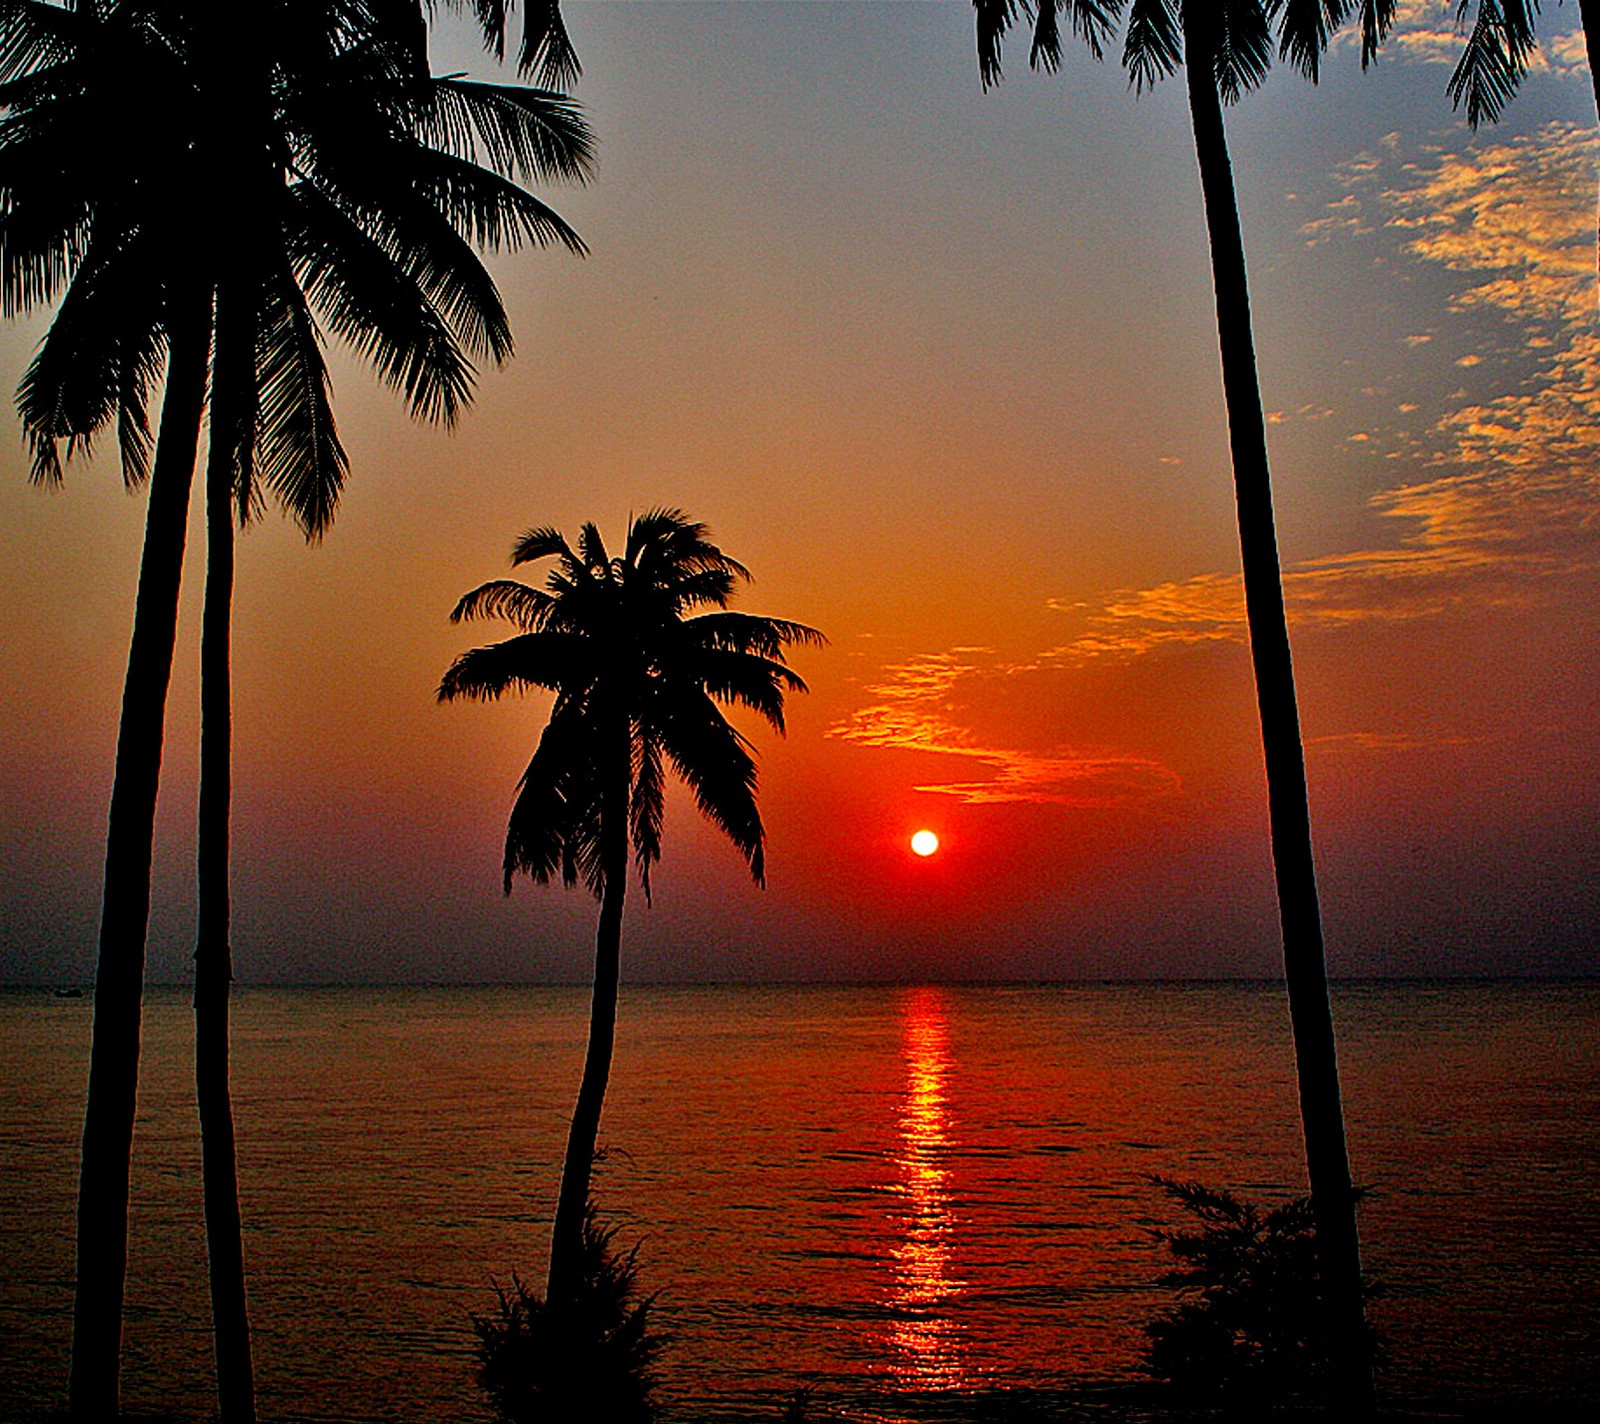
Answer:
(421, 240)
(543, 543)
(299, 456)
(34, 35)
(490, 211)
(1241, 43)
(1305, 28)
(44, 232)
(135, 445)
(491, 15)
(547, 49)
(745, 680)
(547, 658)
(98, 360)
(376, 307)
(1495, 59)
(528, 608)
(528, 134)
(1093, 21)
(592, 548)
(714, 761)
(553, 828)
(993, 19)
(750, 633)
(1376, 18)
(648, 809)
(1152, 48)
(660, 525)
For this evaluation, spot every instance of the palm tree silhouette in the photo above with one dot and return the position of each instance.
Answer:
(97, 174)
(637, 682)
(341, 176)
(1225, 48)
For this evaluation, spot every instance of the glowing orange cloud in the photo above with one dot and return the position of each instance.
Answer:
(914, 713)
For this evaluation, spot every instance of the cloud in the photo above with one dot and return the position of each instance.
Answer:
(1423, 32)
(1477, 541)
(1426, 32)
(1522, 212)
(1502, 508)
(1382, 742)
(1511, 509)
(1518, 221)
(919, 708)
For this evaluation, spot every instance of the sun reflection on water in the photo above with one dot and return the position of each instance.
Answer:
(925, 1340)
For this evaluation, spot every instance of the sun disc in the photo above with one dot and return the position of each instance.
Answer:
(924, 843)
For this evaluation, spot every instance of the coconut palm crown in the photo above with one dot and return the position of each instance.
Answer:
(638, 675)
(1153, 42)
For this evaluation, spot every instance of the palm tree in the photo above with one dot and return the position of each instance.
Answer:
(637, 681)
(340, 172)
(94, 170)
(1225, 48)
(280, 384)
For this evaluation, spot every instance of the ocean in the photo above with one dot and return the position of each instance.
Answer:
(900, 1196)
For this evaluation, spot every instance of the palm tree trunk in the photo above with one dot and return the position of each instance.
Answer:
(1316, 1064)
(1589, 13)
(566, 1237)
(108, 1120)
(213, 954)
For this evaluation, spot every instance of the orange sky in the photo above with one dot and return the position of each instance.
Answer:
(940, 367)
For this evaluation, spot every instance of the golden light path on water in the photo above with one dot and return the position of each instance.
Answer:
(925, 1341)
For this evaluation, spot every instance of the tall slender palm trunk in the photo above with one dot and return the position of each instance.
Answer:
(566, 1237)
(213, 955)
(1589, 14)
(1316, 1064)
(94, 1381)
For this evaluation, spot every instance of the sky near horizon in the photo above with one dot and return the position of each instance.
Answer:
(940, 366)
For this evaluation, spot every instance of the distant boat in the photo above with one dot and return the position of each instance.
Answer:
(73, 993)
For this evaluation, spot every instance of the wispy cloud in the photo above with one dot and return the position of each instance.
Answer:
(1501, 511)
(1511, 508)
(1425, 32)
(1382, 742)
(919, 706)
(1489, 540)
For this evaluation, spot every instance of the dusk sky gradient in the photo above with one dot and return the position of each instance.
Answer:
(940, 366)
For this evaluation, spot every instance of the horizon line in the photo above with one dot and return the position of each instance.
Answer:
(896, 982)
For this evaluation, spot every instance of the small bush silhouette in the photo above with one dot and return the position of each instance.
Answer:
(592, 1360)
(1249, 1320)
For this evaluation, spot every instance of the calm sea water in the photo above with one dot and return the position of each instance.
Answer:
(892, 1194)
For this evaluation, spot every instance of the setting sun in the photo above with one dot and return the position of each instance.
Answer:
(924, 842)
